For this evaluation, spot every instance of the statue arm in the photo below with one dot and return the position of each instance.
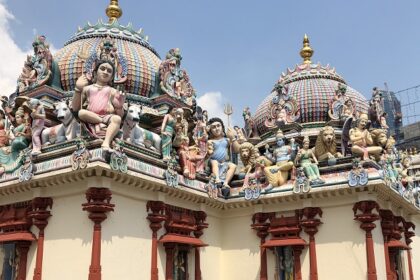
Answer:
(118, 100)
(165, 120)
(77, 101)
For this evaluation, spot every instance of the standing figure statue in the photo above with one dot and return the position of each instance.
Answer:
(200, 137)
(362, 141)
(167, 132)
(304, 158)
(282, 155)
(221, 167)
(4, 140)
(38, 122)
(10, 157)
(99, 105)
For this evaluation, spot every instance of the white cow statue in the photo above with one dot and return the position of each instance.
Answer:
(67, 130)
(134, 134)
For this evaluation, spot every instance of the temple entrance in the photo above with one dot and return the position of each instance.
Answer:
(180, 265)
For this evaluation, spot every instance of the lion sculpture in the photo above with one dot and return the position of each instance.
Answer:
(380, 138)
(249, 154)
(325, 146)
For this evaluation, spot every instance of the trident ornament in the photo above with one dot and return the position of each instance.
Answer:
(228, 110)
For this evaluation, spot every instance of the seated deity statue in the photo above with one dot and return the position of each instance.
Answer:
(218, 151)
(99, 105)
(304, 159)
(361, 139)
(278, 174)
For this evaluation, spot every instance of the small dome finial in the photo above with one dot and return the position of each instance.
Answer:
(306, 52)
(113, 11)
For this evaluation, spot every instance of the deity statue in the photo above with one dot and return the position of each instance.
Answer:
(338, 103)
(167, 132)
(218, 153)
(388, 160)
(38, 122)
(4, 140)
(282, 155)
(99, 105)
(283, 109)
(304, 159)
(325, 146)
(188, 158)
(376, 109)
(19, 138)
(240, 134)
(181, 128)
(361, 139)
(175, 81)
(403, 171)
(250, 128)
(37, 68)
(200, 137)
(107, 52)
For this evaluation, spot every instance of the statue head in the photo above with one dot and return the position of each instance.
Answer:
(306, 142)
(280, 138)
(217, 128)
(104, 72)
(362, 121)
(19, 115)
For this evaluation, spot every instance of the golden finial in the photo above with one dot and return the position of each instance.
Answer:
(113, 11)
(306, 52)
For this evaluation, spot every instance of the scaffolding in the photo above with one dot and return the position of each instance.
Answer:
(410, 104)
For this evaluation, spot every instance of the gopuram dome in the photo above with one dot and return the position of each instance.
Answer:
(137, 61)
(312, 86)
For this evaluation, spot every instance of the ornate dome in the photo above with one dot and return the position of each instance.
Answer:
(312, 86)
(139, 61)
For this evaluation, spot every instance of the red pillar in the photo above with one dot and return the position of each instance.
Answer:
(261, 225)
(40, 215)
(363, 213)
(22, 248)
(297, 251)
(310, 224)
(408, 234)
(170, 251)
(98, 204)
(156, 216)
(200, 217)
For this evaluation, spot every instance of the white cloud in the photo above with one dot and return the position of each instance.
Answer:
(12, 57)
(214, 103)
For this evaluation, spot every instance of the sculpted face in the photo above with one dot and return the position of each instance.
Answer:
(328, 136)
(19, 119)
(105, 72)
(245, 153)
(280, 142)
(306, 144)
(363, 121)
(216, 129)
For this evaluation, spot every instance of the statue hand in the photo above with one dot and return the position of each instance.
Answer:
(230, 133)
(81, 82)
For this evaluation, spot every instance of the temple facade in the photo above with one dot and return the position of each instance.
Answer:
(110, 170)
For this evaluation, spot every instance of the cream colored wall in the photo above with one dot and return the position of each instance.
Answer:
(415, 245)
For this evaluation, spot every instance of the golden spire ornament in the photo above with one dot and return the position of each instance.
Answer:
(306, 52)
(113, 11)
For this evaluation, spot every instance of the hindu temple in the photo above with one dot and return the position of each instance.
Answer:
(109, 169)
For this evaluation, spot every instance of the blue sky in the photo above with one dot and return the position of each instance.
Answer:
(236, 50)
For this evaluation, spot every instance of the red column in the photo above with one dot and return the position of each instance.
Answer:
(408, 234)
(23, 248)
(297, 251)
(387, 225)
(170, 250)
(40, 215)
(363, 213)
(310, 224)
(98, 204)
(261, 225)
(200, 217)
(156, 216)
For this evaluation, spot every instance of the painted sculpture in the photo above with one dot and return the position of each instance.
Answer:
(306, 159)
(167, 132)
(188, 158)
(284, 108)
(200, 137)
(181, 128)
(361, 139)
(38, 122)
(341, 106)
(69, 128)
(11, 157)
(281, 158)
(221, 168)
(325, 146)
(136, 135)
(37, 68)
(99, 105)
(174, 80)
(253, 169)
(250, 128)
